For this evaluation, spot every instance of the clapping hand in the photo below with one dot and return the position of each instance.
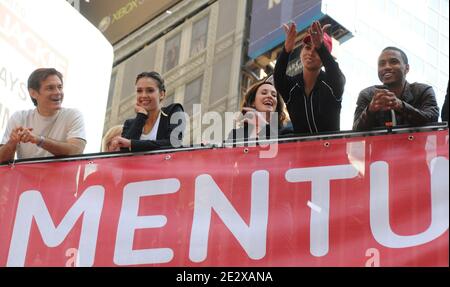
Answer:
(384, 100)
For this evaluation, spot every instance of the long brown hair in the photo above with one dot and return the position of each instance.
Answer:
(249, 100)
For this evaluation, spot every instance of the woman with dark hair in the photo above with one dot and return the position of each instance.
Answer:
(152, 128)
(263, 114)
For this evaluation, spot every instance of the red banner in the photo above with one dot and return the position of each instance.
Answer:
(364, 201)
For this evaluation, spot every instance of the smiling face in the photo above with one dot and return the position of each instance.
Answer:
(309, 57)
(50, 95)
(266, 98)
(392, 69)
(148, 94)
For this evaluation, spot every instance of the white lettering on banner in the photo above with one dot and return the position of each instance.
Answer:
(31, 205)
(379, 206)
(208, 196)
(320, 178)
(129, 221)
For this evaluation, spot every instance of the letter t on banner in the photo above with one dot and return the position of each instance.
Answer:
(320, 196)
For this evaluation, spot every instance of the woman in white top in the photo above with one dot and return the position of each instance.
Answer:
(152, 129)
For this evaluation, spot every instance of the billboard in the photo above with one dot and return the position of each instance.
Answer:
(268, 16)
(49, 33)
(362, 201)
(118, 18)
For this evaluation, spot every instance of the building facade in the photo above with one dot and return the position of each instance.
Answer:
(198, 48)
(420, 28)
(201, 49)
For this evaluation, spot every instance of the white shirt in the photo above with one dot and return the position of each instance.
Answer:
(152, 134)
(66, 124)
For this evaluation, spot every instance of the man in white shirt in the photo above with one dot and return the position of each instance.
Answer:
(47, 130)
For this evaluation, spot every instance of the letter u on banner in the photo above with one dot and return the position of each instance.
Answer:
(379, 206)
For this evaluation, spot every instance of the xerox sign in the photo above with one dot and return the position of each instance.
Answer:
(51, 33)
(267, 18)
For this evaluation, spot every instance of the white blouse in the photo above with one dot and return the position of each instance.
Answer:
(152, 134)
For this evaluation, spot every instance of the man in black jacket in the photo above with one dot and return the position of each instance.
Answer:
(396, 102)
(313, 98)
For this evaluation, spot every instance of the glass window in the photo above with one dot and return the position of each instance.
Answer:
(444, 26)
(111, 89)
(431, 73)
(432, 55)
(392, 9)
(220, 85)
(444, 11)
(168, 100)
(443, 63)
(432, 37)
(405, 18)
(418, 65)
(443, 45)
(199, 35)
(419, 27)
(172, 53)
(192, 94)
(227, 17)
(433, 19)
(141, 61)
(434, 4)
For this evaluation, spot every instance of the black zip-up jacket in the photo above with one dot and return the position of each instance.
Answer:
(319, 112)
(419, 108)
(132, 129)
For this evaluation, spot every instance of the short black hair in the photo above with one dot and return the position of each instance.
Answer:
(39, 75)
(155, 76)
(403, 54)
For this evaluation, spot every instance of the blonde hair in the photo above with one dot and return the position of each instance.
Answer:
(110, 134)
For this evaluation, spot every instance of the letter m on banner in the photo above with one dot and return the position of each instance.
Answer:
(31, 205)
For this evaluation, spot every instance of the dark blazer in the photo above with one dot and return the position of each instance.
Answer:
(132, 129)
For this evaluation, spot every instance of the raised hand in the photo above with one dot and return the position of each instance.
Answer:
(291, 32)
(316, 32)
(138, 109)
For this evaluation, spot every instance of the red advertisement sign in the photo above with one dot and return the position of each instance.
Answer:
(363, 201)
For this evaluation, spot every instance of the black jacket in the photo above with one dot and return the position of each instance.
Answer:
(444, 114)
(320, 112)
(242, 133)
(132, 129)
(419, 108)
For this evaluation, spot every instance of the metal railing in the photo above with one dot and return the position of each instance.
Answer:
(243, 142)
